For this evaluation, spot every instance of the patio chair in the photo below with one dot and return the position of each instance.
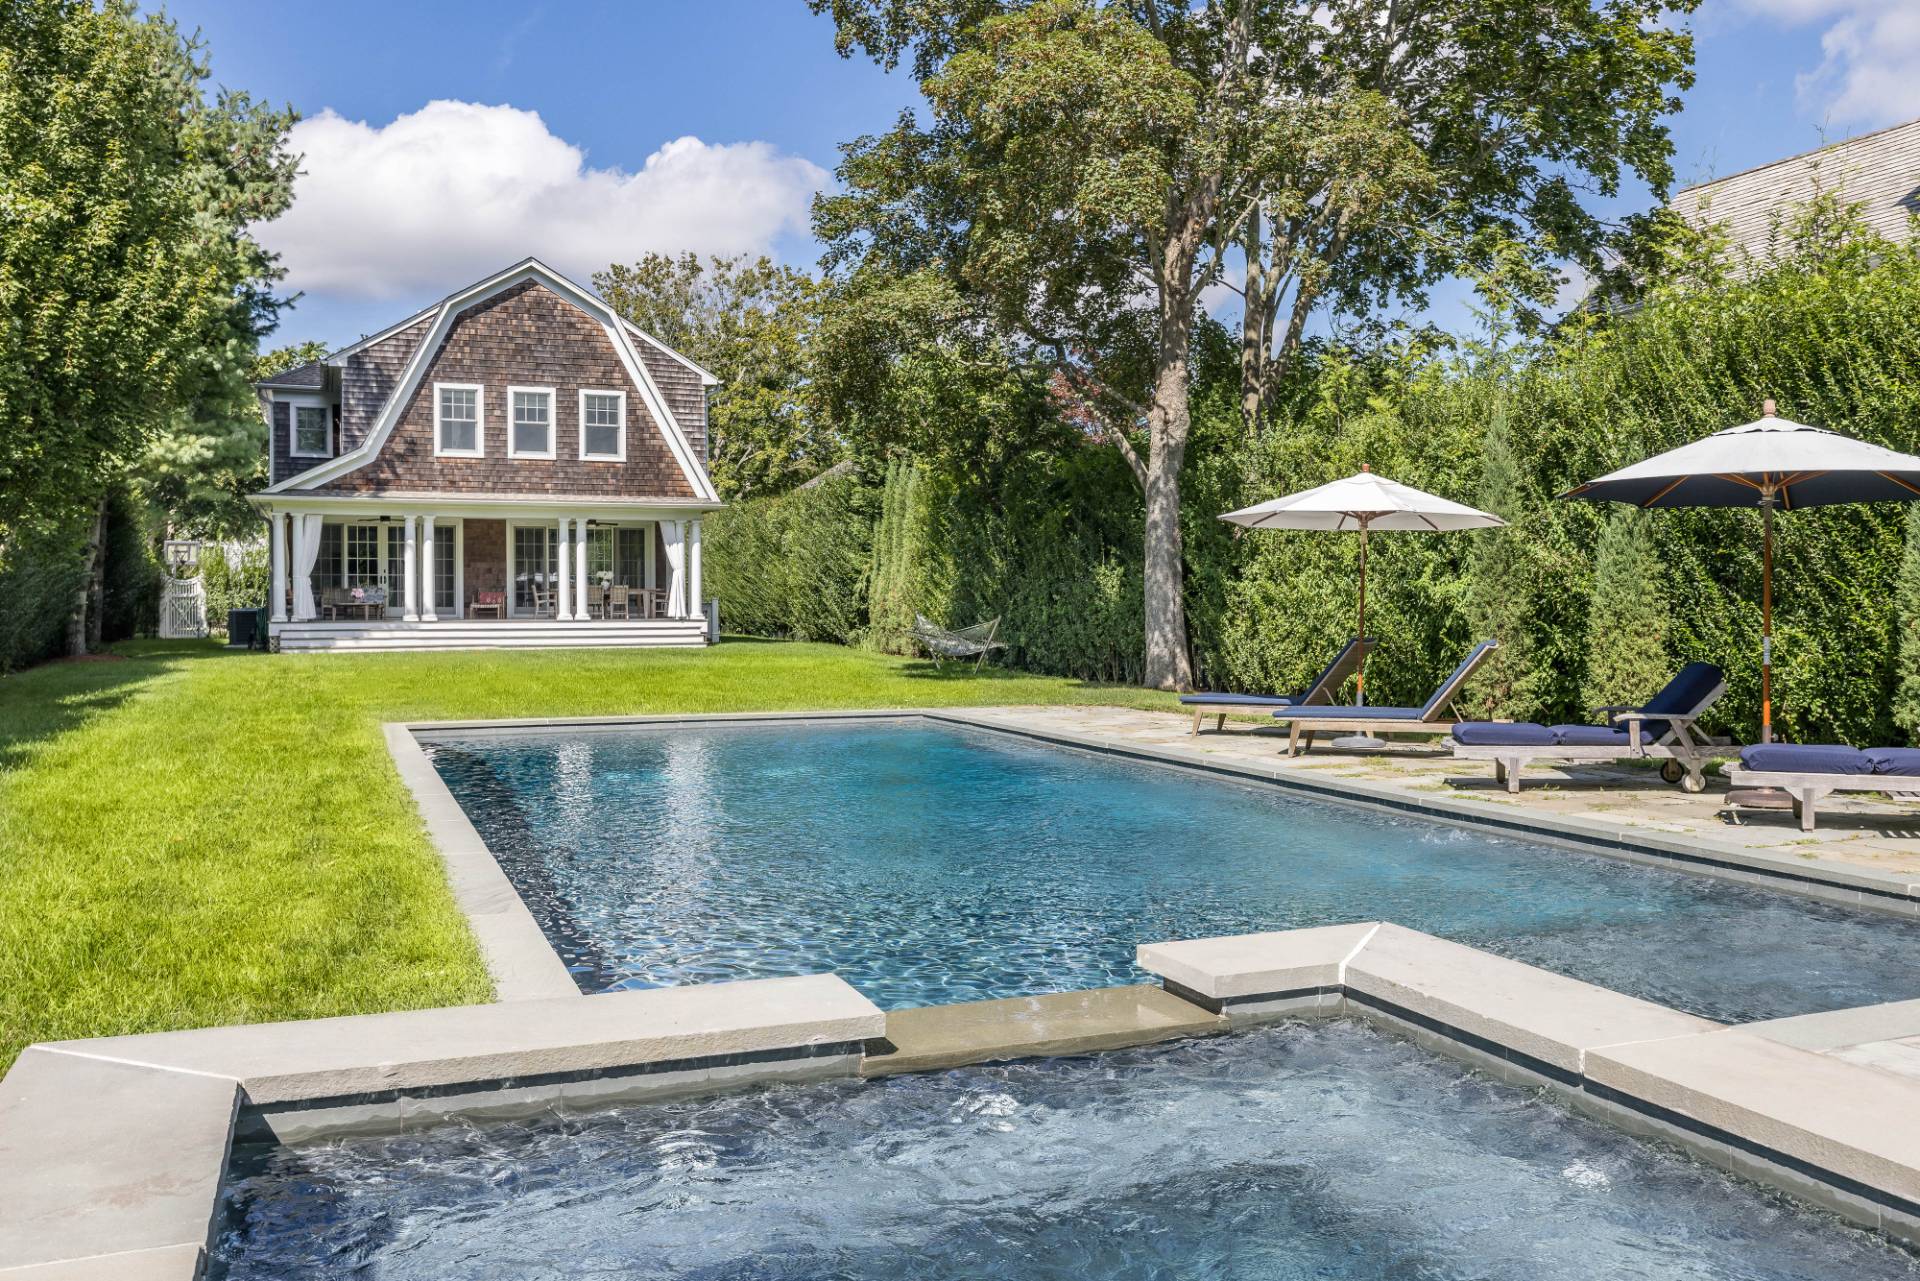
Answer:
(974, 642)
(494, 603)
(1665, 729)
(1320, 692)
(542, 601)
(333, 600)
(1432, 718)
(618, 602)
(1808, 772)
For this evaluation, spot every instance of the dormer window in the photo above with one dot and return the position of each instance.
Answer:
(311, 428)
(603, 425)
(457, 429)
(530, 432)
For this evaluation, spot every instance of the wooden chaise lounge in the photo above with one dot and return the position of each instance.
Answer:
(1320, 693)
(1432, 718)
(1809, 772)
(1664, 729)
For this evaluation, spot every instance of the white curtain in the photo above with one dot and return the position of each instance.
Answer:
(306, 550)
(676, 568)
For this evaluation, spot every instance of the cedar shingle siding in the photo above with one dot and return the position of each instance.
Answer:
(369, 377)
(524, 336)
(685, 393)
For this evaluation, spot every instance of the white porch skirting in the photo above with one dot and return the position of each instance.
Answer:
(486, 633)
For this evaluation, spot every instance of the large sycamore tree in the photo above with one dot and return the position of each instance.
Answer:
(1084, 172)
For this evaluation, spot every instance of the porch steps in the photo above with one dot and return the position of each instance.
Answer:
(512, 633)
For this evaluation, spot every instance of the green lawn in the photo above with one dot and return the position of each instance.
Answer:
(191, 837)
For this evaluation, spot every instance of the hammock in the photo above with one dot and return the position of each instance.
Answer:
(969, 642)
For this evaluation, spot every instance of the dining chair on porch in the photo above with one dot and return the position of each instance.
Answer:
(619, 602)
(542, 601)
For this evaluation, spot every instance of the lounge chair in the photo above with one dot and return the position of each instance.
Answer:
(1431, 718)
(1321, 692)
(1809, 771)
(1664, 729)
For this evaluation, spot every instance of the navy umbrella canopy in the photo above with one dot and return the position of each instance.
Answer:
(1774, 462)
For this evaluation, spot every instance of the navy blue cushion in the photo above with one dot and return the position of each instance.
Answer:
(1240, 700)
(1901, 761)
(1686, 692)
(1502, 734)
(1589, 736)
(1319, 713)
(1805, 758)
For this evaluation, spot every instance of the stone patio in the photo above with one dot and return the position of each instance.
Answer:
(1853, 828)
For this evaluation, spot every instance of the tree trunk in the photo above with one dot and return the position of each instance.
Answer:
(83, 622)
(1168, 664)
(1253, 329)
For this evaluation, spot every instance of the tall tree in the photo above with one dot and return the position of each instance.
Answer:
(1090, 169)
(1628, 616)
(750, 322)
(129, 280)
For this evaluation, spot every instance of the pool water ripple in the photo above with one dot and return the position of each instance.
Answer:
(1326, 1151)
(928, 864)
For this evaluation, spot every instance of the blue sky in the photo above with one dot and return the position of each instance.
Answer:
(444, 140)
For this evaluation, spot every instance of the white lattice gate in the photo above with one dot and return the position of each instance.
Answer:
(183, 609)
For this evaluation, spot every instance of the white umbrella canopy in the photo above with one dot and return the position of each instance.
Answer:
(1771, 462)
(1361, 503)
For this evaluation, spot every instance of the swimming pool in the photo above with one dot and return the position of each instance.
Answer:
(1322, 1151)
(927, 864)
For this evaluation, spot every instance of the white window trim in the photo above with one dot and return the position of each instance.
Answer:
(294, 405)
(479, 449)
(620, 454)
(553, 424)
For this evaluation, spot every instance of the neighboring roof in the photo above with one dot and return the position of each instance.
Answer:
(312, 376)
(1878, 171)
(443, 315)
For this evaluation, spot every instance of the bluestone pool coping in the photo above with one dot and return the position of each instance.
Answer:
(113, 1151)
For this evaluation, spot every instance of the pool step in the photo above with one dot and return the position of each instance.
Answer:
(1104, 1018)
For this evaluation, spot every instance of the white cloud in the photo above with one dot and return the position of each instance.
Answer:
(1869, 72)
(444, 195)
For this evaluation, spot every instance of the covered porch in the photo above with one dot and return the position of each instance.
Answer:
(386, 574)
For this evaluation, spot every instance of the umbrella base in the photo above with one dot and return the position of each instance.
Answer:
(1759, 798)
(1359, 743)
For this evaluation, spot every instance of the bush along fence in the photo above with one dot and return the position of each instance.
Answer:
(1592, 605)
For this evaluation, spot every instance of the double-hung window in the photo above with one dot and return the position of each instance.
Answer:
(603, 425)
(458, 430)
(312, 431)
(530, 431)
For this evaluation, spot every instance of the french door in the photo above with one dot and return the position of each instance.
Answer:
(536, 564)
(375, 555)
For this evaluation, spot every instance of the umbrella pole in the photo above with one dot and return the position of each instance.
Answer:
(1766, 617)
(1360, 676)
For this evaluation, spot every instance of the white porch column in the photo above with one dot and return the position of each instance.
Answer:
(696, 604)
(580, 567)
(426, 569)
(278, 539)
(410, 569)
(563, 586)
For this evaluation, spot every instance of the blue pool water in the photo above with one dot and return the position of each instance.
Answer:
(1320, 1151)
(927, 864)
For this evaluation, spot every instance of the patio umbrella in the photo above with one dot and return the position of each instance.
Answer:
(1764, 464)
(1362, 503)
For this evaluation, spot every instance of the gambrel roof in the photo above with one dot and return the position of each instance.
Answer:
(439, 321)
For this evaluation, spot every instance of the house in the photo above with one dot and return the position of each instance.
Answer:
(490, 472)
(1878, 172)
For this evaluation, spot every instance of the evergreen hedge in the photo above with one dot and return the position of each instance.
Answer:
(1052, 543)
